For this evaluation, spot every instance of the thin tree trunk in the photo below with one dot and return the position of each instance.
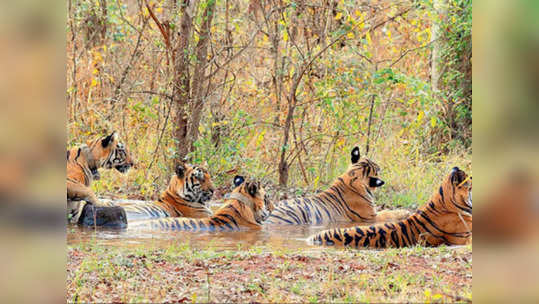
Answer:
(198, 96)
(75, 92)
(437, 45)
(181, 89)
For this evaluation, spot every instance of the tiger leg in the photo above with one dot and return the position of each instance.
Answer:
(74, 210)
(80, 192)
(391, 215)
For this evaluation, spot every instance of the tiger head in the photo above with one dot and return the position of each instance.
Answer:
(192, 183)
(254, 192)
(455, 193)
(111, 153)
(362, 175)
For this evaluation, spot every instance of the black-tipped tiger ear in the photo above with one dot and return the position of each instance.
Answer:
(252, 188)
(457, 176)
(180, 170)
(109, 139)
(355, 155)
(238, 180)
(376, 182)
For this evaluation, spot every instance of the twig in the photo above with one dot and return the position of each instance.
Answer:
(369, 124)
(160, 136)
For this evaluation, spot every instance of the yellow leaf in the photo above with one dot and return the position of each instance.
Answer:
(388, 34)
(94, 82)
(340, 143)
(285, 36)
(95, 71)
(338, 16)
(357, 13)
(368, 36)
(433, 122)
(420, 116)
(350, 35)
(260, 138)
(315, 182)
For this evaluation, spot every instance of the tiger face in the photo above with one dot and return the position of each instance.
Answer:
(362, 175)
(111, 153)
(192, 183)
(456, 192)
(257, 194)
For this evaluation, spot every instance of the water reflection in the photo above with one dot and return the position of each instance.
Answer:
(276, 236)
(292, 237)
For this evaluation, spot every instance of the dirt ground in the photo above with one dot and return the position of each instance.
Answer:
(177, 274)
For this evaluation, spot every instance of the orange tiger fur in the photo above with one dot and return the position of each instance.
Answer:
(246, 208)
(186, 195)
(82, 164)
(349, 199)
(445, 219)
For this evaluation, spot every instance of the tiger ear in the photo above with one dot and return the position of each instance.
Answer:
(355, 155)
(105, 142)
(376, 182)
(238, 180)
(252, 188)
(457, 176)
(180, 170)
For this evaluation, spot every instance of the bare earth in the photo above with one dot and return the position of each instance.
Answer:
(179, 273)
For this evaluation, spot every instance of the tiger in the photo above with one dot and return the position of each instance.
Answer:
(186, 195)
(246, 207)
(83, 163)
(445, 219)
(349, 199)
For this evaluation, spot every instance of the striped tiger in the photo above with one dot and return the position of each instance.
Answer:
(246, 207)
(83, 163)
(445, 219)
(186, 195)
(349, 199)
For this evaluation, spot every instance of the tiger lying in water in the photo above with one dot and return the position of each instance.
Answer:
(188, 191)
(82, 168)
(445, 219)
(349, 199)
(245, 208)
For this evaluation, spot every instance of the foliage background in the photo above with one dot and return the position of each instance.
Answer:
(371, 88)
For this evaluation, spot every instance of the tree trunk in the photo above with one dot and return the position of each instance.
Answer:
(198, 96)
(181, 89)
(292, 102)
(437, 45)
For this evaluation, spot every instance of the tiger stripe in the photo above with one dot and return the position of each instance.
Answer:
(348, 199)
(247, 209)
(186, 195)
(445, 219)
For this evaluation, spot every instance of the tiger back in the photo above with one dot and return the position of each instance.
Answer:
(247, 207)
(445, 219)
(349, 199)
(186, 195)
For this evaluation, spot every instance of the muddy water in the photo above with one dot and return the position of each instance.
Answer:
(290, 237)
